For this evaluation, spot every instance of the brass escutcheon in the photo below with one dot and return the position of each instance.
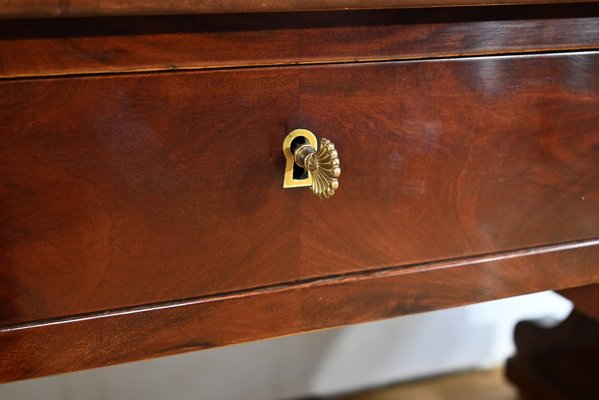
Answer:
(318, 161)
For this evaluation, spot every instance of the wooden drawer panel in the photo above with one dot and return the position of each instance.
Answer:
(137, 189)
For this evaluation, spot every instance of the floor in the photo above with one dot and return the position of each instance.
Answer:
(481, 385)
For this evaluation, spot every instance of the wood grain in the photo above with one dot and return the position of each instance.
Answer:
(111, 45)
(103, 339)
(149, 188)
(58, 8)
(585, 299)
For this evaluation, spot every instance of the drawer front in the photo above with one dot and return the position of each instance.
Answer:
(144, 188)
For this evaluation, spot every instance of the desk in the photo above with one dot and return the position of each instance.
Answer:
(143, 209)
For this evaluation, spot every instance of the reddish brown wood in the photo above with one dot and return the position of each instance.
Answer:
(558, 362)
(149, 188)
(58, 8)
(124, 335)
(585, 299)
(90, 46)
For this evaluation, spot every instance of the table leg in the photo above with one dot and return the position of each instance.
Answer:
(559, 362)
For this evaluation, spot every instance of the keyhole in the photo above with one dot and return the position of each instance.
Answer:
(298, 172)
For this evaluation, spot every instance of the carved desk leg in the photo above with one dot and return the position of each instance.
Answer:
(560, 362)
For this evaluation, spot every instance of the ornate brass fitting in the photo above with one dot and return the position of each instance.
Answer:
(311, 162)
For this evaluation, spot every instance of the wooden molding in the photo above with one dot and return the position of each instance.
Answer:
(86, 8)
(116, 336)
(78, 46)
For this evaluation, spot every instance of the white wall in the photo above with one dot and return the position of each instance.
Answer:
(320, 363)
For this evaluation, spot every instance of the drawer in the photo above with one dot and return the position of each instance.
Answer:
(145, 188)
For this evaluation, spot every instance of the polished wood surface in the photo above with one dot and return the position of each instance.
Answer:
(93, 340)
(60, 8)
(142, 211)
(102, 45)
(585, 299)
(150, 188)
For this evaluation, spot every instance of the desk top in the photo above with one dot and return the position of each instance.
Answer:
(81, 8)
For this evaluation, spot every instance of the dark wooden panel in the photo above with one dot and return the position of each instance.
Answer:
(96, 340)
(100, 45)
(58, 8)
(129, 190)
(477, 155)
(585, 299)
(556, 362)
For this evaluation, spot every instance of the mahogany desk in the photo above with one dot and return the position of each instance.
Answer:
(142, 203)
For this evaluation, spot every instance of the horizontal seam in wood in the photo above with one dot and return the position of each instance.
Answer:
(367, 60)
(326, 280)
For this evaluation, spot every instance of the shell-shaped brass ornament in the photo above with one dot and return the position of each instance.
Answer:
(325, 175)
